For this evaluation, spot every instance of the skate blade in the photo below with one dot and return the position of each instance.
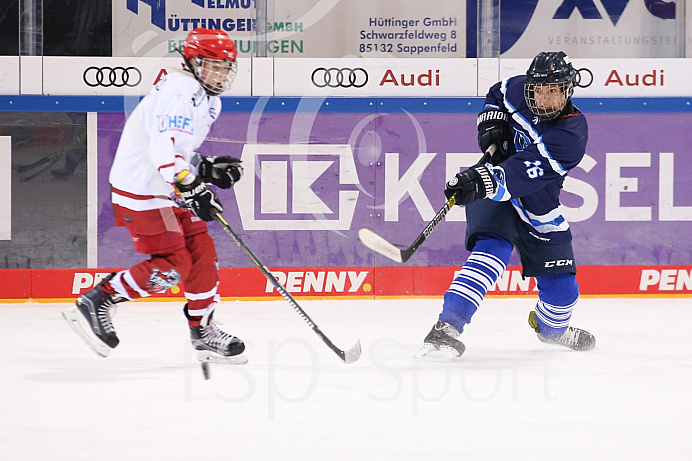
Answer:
(74, 319)
(205, 370)
(210, 357)
(576, 347)
(431, 353)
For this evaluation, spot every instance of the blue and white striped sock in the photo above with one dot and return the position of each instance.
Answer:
(483, 267)
(557, 295)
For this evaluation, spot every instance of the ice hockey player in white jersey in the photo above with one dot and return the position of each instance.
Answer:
(160, 194)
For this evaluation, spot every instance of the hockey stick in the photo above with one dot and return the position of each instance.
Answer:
(53, 156)
(348, 356)
(42, 161)
(380, 245)
(31, 176)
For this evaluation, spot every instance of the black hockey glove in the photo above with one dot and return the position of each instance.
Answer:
(221, 171)
(493, 128)
(201, 201)
(473, 184)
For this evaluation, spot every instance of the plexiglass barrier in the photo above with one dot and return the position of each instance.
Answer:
(352, 28)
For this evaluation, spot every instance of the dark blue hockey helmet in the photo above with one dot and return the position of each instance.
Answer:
(550, 82)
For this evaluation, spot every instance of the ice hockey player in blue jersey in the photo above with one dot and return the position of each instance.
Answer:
(536, 136)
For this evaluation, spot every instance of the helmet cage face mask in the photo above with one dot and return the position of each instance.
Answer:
(549, 84)
(551, 100)
(215, 75)
(211, 57)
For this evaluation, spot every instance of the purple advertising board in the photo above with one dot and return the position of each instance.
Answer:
(313, 178)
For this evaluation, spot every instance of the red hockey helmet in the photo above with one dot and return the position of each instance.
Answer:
(211, 56)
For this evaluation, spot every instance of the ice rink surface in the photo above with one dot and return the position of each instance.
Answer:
(509, 397)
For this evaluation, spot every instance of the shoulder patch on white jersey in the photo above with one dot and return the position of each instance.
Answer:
(213, 113)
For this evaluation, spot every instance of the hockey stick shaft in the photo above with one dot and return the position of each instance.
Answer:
(50, 157)
(348, 356)
(380, 245)
(42, 161)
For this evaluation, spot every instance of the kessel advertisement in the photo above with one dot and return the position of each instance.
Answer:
(122, 76)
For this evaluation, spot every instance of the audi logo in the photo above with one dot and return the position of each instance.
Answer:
(335, 77)
(580, 75)
(112, 76)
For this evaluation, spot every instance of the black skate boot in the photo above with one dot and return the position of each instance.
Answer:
(442, 343)
(95, 305)
(208, 337)
(574, 338)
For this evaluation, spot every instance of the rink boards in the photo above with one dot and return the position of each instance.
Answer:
(319, 169)
(355, 282)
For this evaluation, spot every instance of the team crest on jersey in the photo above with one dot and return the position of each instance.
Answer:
(162, 281)
(499, 174)
(521, 141)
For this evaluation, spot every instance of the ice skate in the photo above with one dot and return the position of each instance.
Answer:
(214, 345)
(574, 338)
(442, 344)
(95, 306)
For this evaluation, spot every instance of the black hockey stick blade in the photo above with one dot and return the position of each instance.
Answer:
(348, 356)
(50, 157)
(39, 171)
(42, 161)
(383, 247)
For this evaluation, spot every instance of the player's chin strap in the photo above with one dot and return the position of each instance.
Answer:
(186, 65)
(348, 356)
(382, 246)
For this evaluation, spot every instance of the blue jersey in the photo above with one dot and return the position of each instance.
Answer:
(546, 151)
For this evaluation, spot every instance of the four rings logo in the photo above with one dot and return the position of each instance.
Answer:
(343, 77)
(584, 78)
(112, 76)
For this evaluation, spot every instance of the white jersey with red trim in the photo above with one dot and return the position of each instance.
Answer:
(159, 141)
